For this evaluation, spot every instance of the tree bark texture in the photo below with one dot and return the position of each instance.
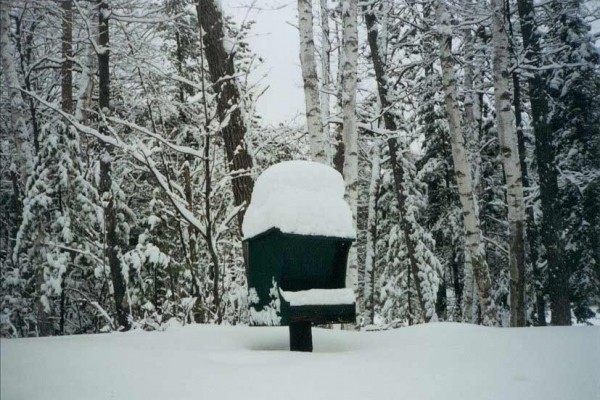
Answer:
(462, 171)
(112, 242)
(13, 87)
(66, 106)
(222, 72)
(545, 153)
(67, 51)
(471, 132)
(349, 133)
(509, 152)
(22, 151)
(398, 172)
(311, 82)
(372, 232)
(326, 79)
(26, 38)
(531, 228)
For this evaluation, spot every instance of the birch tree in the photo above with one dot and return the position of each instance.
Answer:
(325, 77)
(18, 124)
(462, 169)
(311, 82)
(16, 175)
(350, 133)
(531, 230)
(507, 137)
(337, 135)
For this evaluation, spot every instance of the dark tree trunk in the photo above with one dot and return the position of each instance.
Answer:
(67, 106)
(17, 208)
(520, 319)
(214, 268)
(220, 65)
(398, 171)
(456, 283)
(67, 52)
(221, 68)
(441, 302)
(180, 69)
(551, 224)
(338, 156)
(192, 233)
(532, 233)
(531, 228)
(112, 242)
(25, 61)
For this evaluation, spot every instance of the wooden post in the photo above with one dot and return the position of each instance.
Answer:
(300, 336)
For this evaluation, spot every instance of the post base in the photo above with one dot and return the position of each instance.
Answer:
(301, 336)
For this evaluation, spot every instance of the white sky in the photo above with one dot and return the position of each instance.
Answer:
(275, 40)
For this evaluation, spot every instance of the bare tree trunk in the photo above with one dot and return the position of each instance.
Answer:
(67, 52)
(25, 61)
(86, 87)
(398, 172)
(462, 171)
(192, 233)
(113, 244)
(531, 229)
(507, 138)
(66, 106)
(311, 82)
(551, 223)
(326, 79)
(349, 133)
(372, 232)
(192, 240)
(221, 68)
(472, 140)
(469, 313)
(22, 151)
(471, 103)
(338, 151)
(210, 244)
(13, 87)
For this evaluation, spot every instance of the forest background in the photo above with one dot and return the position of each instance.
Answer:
(467, 132)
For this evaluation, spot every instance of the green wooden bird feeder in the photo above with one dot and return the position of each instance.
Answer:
(298, 231)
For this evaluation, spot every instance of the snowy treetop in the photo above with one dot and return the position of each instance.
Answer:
(301, 197)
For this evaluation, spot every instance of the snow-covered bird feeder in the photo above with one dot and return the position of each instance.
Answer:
(298, 230)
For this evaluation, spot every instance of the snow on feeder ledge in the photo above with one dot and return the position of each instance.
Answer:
(299, 230)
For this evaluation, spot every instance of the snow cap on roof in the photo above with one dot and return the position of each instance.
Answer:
(301, 197)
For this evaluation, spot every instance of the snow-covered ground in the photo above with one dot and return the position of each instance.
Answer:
(442, 361)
